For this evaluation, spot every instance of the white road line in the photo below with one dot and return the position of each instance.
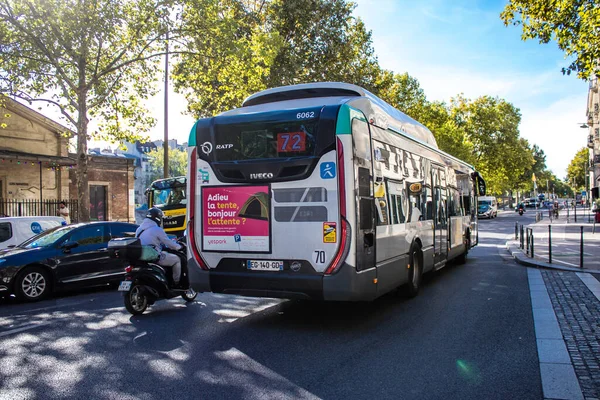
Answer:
(23, 329)
(592, 283)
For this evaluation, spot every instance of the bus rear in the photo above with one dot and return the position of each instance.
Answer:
(268, 190)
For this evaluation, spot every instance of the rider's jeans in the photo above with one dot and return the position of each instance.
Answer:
(171, 260)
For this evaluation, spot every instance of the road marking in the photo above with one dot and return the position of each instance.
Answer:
(23, 329)
(591, 283)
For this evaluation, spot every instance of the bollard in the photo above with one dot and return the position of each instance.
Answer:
(567, 215)
(522, 234)
(550, 244)
(575, 212)
(531, 243)
(527, 241)
(581, 249)
(516, 230)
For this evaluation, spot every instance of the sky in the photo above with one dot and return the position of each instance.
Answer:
(461, 46)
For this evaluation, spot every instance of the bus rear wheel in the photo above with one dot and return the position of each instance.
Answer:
(415, 272)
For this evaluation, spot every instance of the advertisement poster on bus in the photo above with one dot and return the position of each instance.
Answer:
(236, 218)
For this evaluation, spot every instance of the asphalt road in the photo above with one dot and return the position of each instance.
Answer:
(468, 335)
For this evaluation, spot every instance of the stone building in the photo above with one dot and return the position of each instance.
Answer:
(111, 181)
(593, 123)
(36, 171)
(33, 155)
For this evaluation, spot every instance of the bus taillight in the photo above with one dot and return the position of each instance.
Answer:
(345, 231)
(192, 211)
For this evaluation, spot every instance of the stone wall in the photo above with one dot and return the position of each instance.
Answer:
(22, 181)
(30, 132)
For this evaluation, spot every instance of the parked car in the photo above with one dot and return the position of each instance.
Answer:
(63, 258)
(15, 230)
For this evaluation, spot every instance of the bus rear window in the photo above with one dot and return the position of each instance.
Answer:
(260, 140)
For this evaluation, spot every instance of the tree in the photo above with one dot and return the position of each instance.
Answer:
(577, 168)
(573, 24)
(403, 92)
(90, 59)
(245, 48)
(491, 124)
(177, 163)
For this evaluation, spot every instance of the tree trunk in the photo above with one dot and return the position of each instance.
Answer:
(83, 191)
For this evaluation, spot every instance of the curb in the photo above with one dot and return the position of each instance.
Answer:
(520, 257)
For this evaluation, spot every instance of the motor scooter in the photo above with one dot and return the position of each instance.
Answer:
(146, 282)
(520, 211)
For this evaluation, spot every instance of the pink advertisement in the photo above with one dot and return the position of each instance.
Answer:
(236, 218)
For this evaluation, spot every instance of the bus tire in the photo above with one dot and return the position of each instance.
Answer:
(462, 259)
(415, 272)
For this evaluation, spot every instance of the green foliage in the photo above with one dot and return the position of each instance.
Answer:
(178, 161)
(573, 24)
(577, 169)
(492, 127)
(5, 115)
(93, 59)
(244, 48)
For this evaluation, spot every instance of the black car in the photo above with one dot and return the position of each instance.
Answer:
(62, 258)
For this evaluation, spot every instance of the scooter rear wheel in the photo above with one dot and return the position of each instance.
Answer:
(189, 295)
(136, 301)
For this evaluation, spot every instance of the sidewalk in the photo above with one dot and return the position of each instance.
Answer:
(566, 243)
(566, 304)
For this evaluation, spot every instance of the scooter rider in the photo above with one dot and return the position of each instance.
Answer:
(152, 234)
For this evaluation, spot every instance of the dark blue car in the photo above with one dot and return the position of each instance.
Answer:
(62, 258)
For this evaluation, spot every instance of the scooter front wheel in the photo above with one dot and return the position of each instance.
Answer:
(136, 300)
(189, 295)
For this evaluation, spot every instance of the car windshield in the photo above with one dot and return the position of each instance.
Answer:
(47, 238)
(485, 203)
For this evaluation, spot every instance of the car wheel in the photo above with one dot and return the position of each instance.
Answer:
(33, 284)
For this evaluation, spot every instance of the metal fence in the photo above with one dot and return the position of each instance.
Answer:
(30, 208)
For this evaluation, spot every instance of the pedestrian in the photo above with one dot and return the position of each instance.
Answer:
(550, 210)
(63, 211)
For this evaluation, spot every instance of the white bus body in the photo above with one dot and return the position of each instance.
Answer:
(323, 191)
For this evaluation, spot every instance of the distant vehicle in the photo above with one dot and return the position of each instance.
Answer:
(170, 196)
(487, 207)
(62, 258)
(532, 203)
(15, 230)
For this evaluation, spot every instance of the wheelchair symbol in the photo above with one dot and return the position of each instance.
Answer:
(328, 170)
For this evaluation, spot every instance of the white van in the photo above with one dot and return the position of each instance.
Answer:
(16, 230)
(487, 207)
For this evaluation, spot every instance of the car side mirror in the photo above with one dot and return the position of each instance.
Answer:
(69, 245)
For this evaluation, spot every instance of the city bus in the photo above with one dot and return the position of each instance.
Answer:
(323, 191)
(170, 196)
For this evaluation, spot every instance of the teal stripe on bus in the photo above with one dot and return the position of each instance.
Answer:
(344, 120)
(192, 138)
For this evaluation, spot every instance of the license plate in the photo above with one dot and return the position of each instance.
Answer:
(265, 265)
(124, 286)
